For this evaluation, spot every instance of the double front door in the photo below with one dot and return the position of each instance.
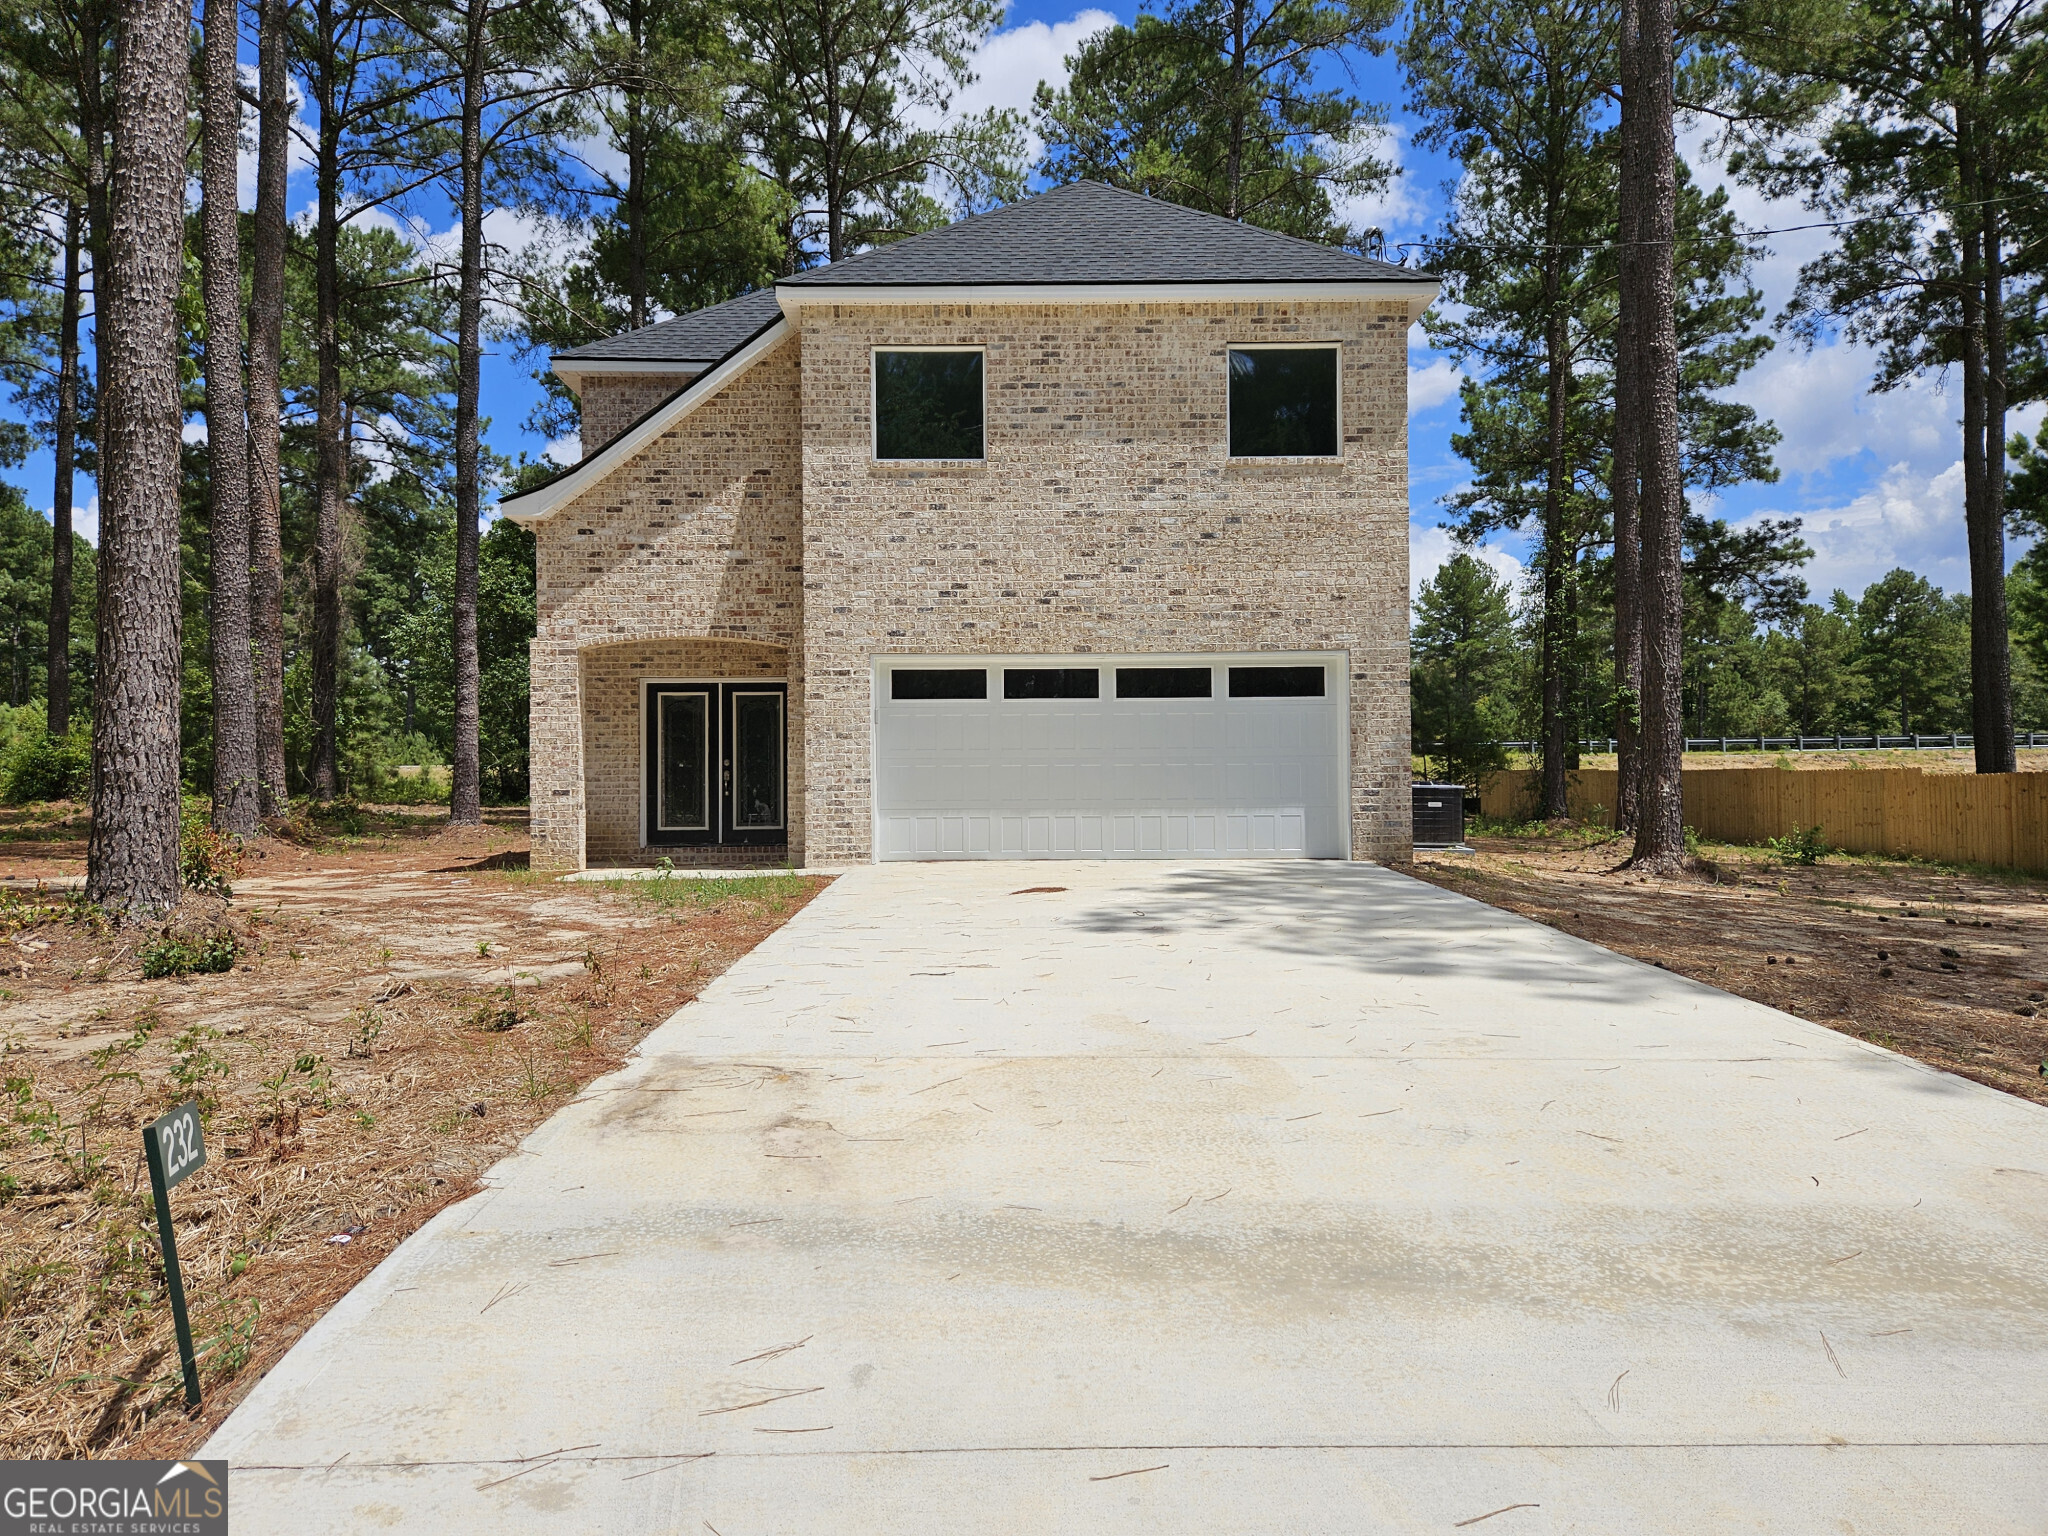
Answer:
(716, 755)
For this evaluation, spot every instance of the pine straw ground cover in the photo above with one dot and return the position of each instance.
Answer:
(1940, 962)
(405, 1003)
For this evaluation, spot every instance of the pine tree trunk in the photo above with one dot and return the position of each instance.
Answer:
(331, 470)
(1984, 514)
(636, 174)
(266, 366)
(1660, 826)
(235, 807)
(93, 126)
(132, 853)
(1555, 556)
(1628, 549)
(58, 664)
(1233, 168)
(465, 786)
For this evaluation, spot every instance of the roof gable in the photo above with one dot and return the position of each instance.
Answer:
(539, 502)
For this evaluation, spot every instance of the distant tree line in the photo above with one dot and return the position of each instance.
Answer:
(1894, 659)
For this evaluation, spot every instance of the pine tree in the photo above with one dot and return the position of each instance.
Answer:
(823, 103)
(1517, 95)
(1463, 645)
(1220, 107)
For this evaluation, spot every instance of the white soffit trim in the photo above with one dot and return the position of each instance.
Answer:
(794, 296)
(536, 506)
(572, 369)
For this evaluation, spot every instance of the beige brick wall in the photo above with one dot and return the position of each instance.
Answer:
(1107, 517)
(613, 402)
(698, 539)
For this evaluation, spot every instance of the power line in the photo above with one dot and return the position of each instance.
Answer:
(1740, 234)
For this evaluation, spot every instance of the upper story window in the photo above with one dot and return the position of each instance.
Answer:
(929, 403)
(1283, 402)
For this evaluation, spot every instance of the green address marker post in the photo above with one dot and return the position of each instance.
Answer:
(175, 1152)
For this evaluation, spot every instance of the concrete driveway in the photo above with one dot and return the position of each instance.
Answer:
(1213, 1198)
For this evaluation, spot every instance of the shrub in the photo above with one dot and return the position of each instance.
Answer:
(39, 766)
(427, 785)
(179, 955)
(207, 859)
(1802, 845)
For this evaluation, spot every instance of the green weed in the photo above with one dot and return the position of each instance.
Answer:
(193, 1065)
(174, 955)
(1802, 845)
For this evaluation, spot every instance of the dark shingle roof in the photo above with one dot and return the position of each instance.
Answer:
(701, 337)
(1082, 233)
(1090, 233)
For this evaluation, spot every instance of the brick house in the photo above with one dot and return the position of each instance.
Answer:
(1078, 528)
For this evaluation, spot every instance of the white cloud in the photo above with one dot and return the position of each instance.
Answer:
(1821, 400)
(1010, 64)
(1909, 518)
(85, 520)
(1430, 548)
(1400, 207)
(1430, 386)
(565, 451)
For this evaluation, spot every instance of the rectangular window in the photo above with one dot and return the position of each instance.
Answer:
(938, 683)
(1276, 682)
(928, 405)
(1052, 683)
(1162, 682)
(1283, 402)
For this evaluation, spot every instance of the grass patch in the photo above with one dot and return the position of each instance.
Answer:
(698, 892)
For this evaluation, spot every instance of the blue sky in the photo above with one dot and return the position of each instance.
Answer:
(1876, 478)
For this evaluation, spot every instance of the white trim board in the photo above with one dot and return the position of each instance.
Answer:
(796, 296)
(572, 370)
(537, 506)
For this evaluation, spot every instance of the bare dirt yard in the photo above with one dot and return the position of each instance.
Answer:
(395, 1004)
(1946, 964)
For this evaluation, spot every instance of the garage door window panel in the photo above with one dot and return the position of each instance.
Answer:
(929, 404)
(923, 683)
(1276, 682)
(1052, 682)
(1283, 402)
(1162, 682)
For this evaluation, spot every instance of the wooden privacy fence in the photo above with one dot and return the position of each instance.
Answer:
(1996, 818)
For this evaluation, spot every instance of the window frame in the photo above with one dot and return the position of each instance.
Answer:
(1277, 346)
(875, 401)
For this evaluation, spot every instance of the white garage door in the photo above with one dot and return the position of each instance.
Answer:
(1112, 757)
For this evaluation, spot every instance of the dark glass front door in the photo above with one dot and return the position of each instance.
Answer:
(717, 763)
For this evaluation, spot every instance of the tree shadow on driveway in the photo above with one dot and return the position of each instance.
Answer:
(1385, 925)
